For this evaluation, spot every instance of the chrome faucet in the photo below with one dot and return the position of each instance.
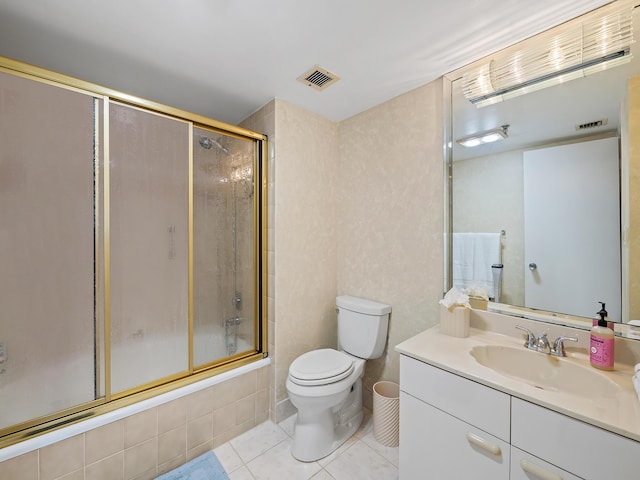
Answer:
(541, 344)
(558, 346)
(530, 343)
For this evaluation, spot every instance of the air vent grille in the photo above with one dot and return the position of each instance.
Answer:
(589, 125)
(318, 78)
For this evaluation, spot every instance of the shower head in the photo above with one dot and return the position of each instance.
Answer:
(208, 142)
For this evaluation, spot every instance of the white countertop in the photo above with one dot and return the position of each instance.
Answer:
(619, 413)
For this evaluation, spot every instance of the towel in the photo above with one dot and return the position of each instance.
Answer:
(473, 255)
(205, 467)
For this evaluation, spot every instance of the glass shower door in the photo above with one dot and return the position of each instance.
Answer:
(149, 189)
(48, 192)
(224, 254)
(132, 251)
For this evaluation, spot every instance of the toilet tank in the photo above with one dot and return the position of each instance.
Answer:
(362, 326)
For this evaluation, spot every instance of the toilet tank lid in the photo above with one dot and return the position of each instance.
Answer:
(368, 307)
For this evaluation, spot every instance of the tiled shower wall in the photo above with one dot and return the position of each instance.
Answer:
(154, 441)
(263, 121)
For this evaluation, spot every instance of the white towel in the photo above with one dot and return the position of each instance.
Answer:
(473, 255)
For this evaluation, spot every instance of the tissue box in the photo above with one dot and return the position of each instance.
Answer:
(454, 321)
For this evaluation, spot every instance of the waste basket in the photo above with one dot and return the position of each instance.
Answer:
(386, 413)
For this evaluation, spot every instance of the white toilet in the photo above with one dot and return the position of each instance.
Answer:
(326, 385)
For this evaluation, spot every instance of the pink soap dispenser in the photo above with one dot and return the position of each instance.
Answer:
(602, 343)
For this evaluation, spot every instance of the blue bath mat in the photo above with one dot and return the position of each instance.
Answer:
(204, 467)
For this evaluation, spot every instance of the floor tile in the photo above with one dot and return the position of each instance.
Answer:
(278, 464)
(257, 440)
(341, 449)
(241, 474)
(361, 462)
(322, 475)
(228, 457)
(288, 423)
(390, 453)
(264, 453)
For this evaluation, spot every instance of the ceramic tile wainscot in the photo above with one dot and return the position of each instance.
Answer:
(149, 438)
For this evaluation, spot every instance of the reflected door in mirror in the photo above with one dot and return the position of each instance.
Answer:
(572, 233)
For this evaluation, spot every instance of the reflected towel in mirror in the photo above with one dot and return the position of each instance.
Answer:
(473, 255)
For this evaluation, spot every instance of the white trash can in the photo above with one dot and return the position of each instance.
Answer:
(386, 413)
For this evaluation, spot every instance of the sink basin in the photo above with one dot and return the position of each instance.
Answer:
(545, 372)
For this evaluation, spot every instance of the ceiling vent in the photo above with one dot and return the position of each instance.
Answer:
(589, 125)
(318, 78)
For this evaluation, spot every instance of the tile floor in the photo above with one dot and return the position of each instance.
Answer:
(264, 453)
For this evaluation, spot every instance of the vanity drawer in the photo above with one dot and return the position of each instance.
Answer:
(435, 445)
(469, 401)
(527, 467)
(575, 446)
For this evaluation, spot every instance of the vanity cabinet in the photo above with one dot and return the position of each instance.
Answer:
(451, 428)
(455, 428)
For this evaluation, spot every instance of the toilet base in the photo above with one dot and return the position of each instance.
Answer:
(319, 433)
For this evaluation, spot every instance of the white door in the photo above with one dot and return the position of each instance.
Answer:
(572, 228)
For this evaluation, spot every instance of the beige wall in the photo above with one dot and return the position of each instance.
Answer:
(390, 219)
(306, 194)
(355, 208)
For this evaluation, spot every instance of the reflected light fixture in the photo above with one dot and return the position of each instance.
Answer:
(582, 49)
(484, 137)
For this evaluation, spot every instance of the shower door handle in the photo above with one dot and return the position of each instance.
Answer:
(3, 359)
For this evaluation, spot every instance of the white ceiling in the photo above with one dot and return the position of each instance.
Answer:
(226, 58)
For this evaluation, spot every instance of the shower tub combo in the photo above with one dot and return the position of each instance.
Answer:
(135, 260)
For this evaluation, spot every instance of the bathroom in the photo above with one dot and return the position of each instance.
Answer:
(363, 235)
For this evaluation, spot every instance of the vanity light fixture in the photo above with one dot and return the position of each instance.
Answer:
(585, 48)
(484, 137)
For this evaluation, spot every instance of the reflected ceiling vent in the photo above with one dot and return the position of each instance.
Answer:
(318, 78)
(589, 125)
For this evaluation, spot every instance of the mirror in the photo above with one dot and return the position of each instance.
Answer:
(532, 192)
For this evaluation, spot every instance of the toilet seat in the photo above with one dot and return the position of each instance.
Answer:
(321, 367)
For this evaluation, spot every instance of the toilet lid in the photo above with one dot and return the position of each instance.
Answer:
(321, 367)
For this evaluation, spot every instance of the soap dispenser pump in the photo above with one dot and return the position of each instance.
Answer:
(602, 342)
